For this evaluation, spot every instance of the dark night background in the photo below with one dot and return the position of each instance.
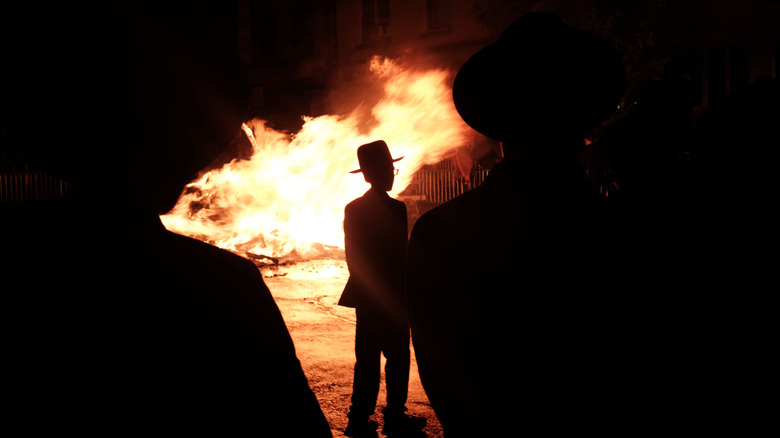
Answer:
(306, 57)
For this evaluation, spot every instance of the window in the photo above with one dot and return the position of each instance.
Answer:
(375, 19)
(693, 67)
(281, 34)
(264, 38)
(716, 75)
(739, 67)
(438, 14)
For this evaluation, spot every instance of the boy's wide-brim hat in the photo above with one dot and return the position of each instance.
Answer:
(540, 74)
(374, 156)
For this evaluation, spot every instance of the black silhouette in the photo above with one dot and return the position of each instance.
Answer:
(735, 229)
(653, 261)
(513, 321)
(375, 232)
(119, 326)
(648, 152)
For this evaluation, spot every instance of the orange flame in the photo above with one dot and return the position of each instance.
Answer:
(287, 201)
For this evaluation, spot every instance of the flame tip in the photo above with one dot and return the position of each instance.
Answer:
(296, 184)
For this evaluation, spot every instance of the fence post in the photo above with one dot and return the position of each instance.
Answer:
(18, 187)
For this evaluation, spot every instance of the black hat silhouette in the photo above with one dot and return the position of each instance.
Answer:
(542, 74)
(373, 156)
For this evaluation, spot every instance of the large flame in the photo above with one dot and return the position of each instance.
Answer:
(287, 201)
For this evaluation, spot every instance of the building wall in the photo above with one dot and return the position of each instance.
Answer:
(725, 45)
(290, 53)
(309, 57)
(298, 51)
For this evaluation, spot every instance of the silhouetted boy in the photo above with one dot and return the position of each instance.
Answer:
(375, 232)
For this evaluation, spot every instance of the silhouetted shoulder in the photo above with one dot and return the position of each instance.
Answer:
(207, 260)
(231, 284)
(358, 203)
(441, 243)
(445, 214)
(354, 203)
(369, 204)
(197, 251)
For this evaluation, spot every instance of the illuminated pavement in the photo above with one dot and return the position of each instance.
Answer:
(324, 336)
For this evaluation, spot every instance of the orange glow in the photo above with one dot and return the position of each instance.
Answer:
(287, 201)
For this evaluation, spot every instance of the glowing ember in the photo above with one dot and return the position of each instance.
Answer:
(287, 201)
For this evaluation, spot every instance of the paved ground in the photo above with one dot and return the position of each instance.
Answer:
(324, 336)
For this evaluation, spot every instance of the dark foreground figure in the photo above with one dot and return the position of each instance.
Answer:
(116, 325)
(538, 308)
(375, 234)
(514, 328)
(738, 191)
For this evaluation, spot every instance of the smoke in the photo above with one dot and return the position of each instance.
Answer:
(287, 199)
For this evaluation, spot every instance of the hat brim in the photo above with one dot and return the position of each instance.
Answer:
(361, 170)
(485, 96)
(539, 75)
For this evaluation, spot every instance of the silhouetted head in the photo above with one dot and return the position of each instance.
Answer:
(126, 100)
(649, 140)
(669, 99)
(541, 79)
(737, 141)
(376, 163)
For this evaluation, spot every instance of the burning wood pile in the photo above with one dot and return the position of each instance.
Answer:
(285, 203)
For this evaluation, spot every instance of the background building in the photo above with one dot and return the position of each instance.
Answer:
(300, 55)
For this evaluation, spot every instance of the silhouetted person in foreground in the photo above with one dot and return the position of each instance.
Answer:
(513, 325)
(737, 216)
(655, 251)
(119, 326)
(648, 152)
(375, 234)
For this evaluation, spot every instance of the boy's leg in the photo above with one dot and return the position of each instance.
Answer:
(396, 350)
(365, 386)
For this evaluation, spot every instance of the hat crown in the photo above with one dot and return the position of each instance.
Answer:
(374, 156)
(540, 75)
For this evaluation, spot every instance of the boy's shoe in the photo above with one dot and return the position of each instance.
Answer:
(359, 428)
(403, 424)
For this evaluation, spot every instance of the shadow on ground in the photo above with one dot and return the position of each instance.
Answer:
(324, 336)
